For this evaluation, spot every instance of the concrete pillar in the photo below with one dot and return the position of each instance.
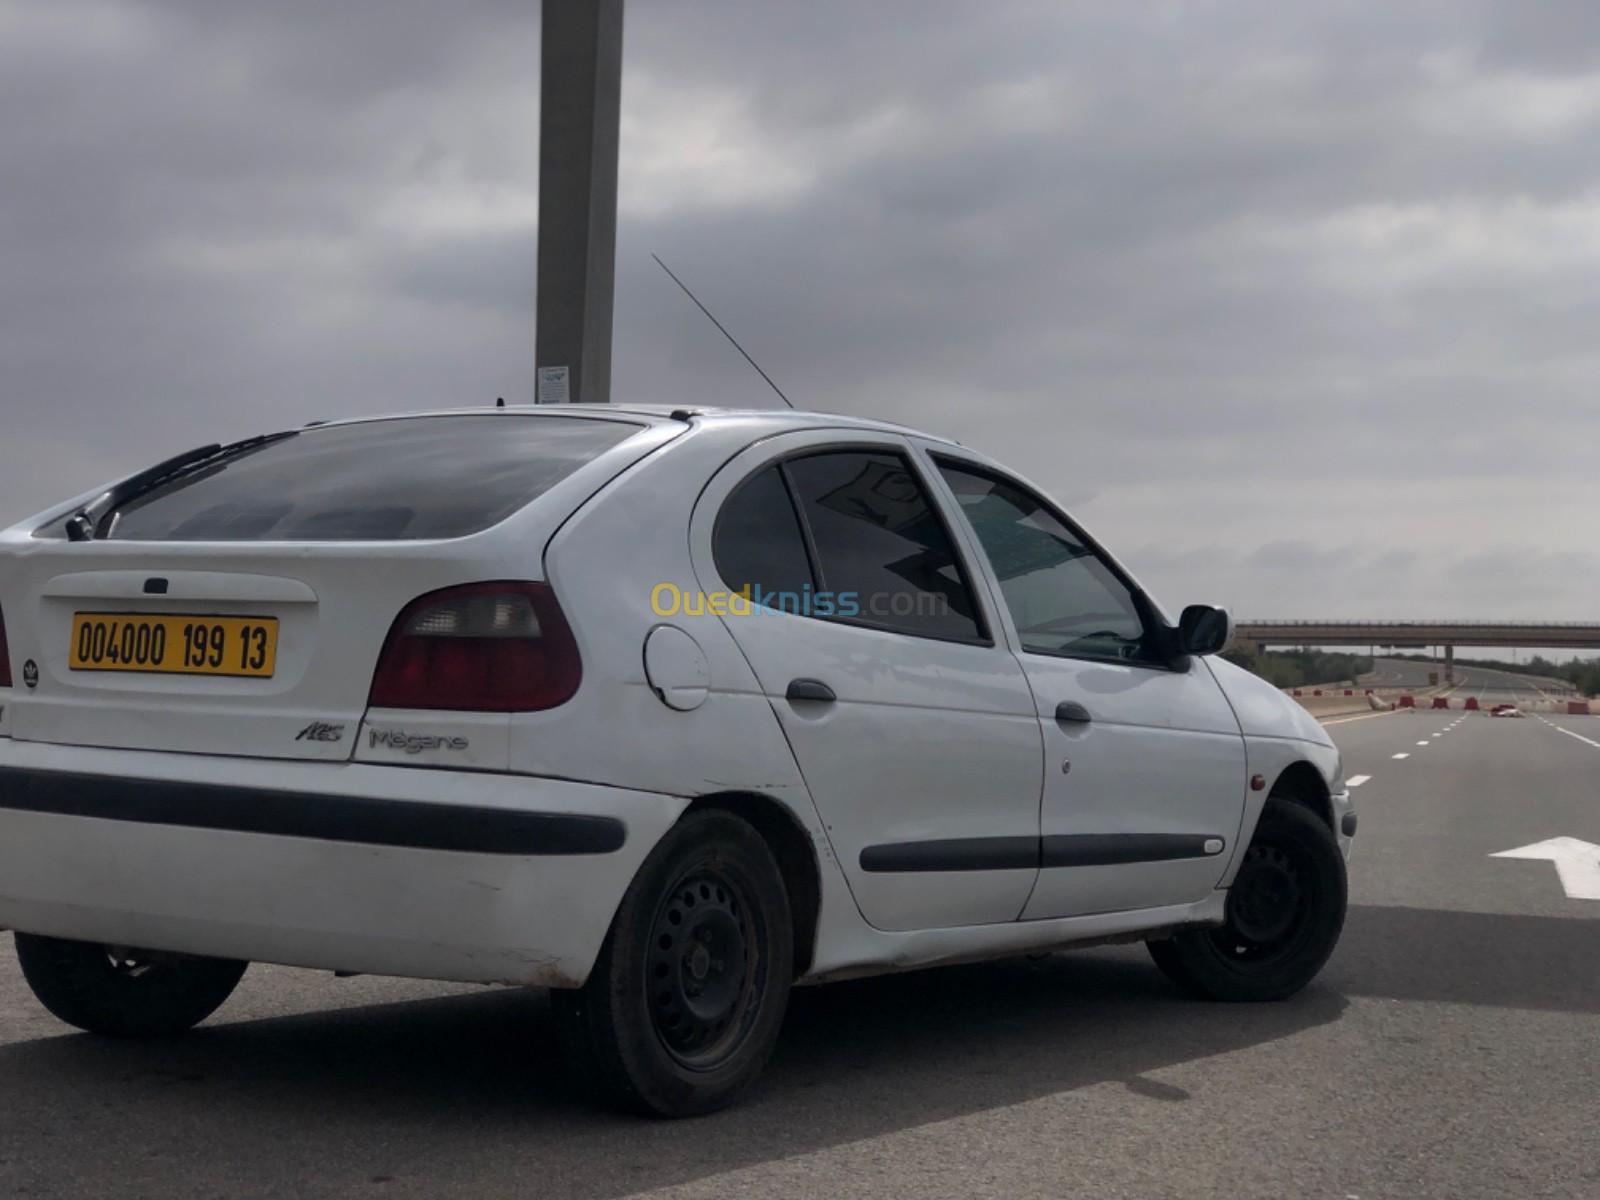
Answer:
(1449, 664)
(580, 109)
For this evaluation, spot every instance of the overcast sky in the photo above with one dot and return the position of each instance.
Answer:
(1297, 306)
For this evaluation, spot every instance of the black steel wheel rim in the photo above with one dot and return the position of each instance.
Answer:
(1269, 905)
(705, 968)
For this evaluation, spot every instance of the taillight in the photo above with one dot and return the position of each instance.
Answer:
(483, 647)
(5, 655)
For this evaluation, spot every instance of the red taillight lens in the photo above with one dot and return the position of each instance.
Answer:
(484, 647)
(5, 655)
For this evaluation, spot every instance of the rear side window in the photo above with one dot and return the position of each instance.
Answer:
(398, 480)
(883, 556)
(758, 543)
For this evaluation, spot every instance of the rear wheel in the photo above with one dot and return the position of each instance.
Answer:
(122, 992)
(684, 1004)
(1284, 914)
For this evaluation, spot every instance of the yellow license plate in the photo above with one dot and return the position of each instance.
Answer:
(175, 645)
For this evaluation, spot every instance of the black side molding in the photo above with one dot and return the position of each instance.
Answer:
(1110, 849)
(406, 823)
(1027, 853)
(954, 854)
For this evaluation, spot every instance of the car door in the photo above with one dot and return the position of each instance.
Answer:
(911, 721)
(1144, 764)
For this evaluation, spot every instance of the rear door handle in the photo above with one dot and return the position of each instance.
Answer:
(810, 689)
(1070, 712)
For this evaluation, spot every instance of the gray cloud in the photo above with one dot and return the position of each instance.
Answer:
(1294, 304)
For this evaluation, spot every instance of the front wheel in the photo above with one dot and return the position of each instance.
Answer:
(1283, 917)
(684, 1004)
(121, 992)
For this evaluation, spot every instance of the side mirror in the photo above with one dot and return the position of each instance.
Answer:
(1203, 629)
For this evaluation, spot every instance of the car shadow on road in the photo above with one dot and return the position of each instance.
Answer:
(460, 1094)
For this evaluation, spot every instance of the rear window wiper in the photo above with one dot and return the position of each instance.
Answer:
(88, 522)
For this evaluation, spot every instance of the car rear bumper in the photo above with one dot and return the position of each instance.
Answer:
(347, 867)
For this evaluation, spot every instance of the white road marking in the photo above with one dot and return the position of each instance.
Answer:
(1579, 736)
(1403, 755)
(1366, 716)
(1422, 743)
(1356, 780)
(1577, 863)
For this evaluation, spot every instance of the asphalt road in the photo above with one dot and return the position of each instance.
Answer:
(1491, 686)
(1450, 1049)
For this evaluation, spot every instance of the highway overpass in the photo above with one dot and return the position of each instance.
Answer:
(1563, 635)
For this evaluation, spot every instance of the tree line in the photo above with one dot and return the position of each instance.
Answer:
(1301, 668)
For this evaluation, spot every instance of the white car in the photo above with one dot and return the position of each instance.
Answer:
(665, 710)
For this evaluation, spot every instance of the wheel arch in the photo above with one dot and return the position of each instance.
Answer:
(1299, 772)
(1301, 783)
(792, 847)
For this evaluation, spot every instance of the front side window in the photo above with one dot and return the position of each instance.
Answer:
(1062, 597)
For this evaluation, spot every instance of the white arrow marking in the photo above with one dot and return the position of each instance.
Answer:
(1577, 864)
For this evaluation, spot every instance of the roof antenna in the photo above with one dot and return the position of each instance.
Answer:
(721, 329)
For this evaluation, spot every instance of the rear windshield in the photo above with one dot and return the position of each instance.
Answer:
(398, 480)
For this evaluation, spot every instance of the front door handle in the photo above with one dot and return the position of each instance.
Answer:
(1070, 712)
(810, 689)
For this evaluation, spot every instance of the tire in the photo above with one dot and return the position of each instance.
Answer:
(685, 1002)
(1284, 914)
(124, 993)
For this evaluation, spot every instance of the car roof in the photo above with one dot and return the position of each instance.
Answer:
(775, 420)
